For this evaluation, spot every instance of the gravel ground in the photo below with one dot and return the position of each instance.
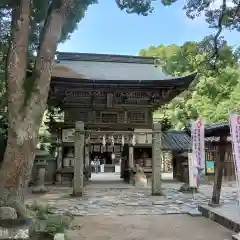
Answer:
(164, 227)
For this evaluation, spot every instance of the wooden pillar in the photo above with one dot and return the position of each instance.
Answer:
(79, 159)
(156, 160)
(219, 171)
(87, 162)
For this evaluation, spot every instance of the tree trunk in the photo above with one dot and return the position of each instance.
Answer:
(24, 122)
(12, 173)
(15, 172)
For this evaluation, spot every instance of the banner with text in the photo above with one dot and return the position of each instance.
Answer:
(234, 120)
(198, 145)
(193, 172)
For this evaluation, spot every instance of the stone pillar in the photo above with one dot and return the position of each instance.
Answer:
(79, 159)
(156, 160)
(131, 162)
(131, 157)
(40, 187)
(59, 164)
(125, 117)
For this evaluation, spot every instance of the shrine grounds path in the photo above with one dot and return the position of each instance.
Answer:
(113, 210)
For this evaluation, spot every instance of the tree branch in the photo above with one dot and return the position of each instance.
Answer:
(50, 36)
(215, 54)
(17, 58)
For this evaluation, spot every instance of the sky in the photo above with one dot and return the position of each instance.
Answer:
(107, 29)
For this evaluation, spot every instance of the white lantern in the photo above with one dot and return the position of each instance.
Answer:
(122, 140)
(104, 141)
(133, 140)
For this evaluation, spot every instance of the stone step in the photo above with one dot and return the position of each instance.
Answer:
(236, 237)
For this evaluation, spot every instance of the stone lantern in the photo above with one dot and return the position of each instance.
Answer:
(41, 165)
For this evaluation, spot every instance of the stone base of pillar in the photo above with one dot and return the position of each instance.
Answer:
(40, 189)
(214, 205)
(131, 177)
(78, 194)
(236, 236)
(58, 178)
(87, 173)
(185, 188)
(158, 193)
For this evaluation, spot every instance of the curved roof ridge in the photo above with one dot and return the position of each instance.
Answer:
(96, 57)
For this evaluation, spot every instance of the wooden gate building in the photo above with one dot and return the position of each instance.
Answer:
(109, 93)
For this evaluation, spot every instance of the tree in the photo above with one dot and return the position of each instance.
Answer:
(51, 22)
(225, 15)
(35, 27)
(212, 95)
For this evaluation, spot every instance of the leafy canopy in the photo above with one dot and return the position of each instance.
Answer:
(212, 95)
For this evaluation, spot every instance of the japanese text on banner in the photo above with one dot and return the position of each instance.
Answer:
(198, 144)
(235, 127)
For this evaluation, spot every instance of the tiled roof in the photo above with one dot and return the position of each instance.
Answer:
(176, 141)
(181, 141)
(108, 70)
(85, 66)
(216, 126)
(213, 130)
(96, 57)
(217, 129)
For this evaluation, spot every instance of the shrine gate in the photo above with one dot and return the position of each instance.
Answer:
(108, 103)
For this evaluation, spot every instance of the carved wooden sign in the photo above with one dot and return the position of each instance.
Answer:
(88, 96)
(68, 135)
(143, 136)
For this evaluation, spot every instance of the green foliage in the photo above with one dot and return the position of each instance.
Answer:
(45, 222)
(39, 17)
(218, 16)
(212, 95)
(141, 7)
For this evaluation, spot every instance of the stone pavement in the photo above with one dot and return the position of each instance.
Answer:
(106, 195)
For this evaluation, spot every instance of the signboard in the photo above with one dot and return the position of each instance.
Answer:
(198, 145)
(143, 136)
(235, 133)
(210, 167)
(68, 135)
(193, 172)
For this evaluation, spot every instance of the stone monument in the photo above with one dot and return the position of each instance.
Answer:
(79, 142)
